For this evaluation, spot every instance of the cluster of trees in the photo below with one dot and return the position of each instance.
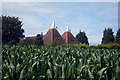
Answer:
(13, 33)
(38, 40)
(108, 36)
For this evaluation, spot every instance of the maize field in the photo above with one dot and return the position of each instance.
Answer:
(37, 62)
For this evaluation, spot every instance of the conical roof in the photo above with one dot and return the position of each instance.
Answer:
(53, 34)
(68, 37)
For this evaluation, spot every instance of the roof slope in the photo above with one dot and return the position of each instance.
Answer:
(51, 35)
(69, 38)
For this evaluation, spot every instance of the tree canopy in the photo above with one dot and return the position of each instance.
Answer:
(11, 29)
(81, 37)
(117, 37)
(27, 41)
(107, 36)
(39, 40)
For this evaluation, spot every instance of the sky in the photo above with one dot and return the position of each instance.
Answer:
(91, 17)
(60, 0)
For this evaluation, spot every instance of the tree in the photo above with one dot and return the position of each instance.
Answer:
(82, 38)
(107, 36)
(13, 42)
(11, 29)
(117, 37)
(39, 40)
(27, 41)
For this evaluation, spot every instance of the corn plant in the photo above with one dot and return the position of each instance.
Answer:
(37, 62)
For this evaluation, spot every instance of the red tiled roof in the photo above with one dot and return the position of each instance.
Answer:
(51, 35)
(70, 39)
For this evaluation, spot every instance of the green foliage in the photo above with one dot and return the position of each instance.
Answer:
(102, 46)
(27, 41)
(55, 43)
(109, 46)
(39, 40)
(117, 37)
(37, 62)
(82, 38)
(11, 29)
(107, 36)
(81, 45)
(13, 42)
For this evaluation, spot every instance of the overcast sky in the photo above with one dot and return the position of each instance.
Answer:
(91, 17)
